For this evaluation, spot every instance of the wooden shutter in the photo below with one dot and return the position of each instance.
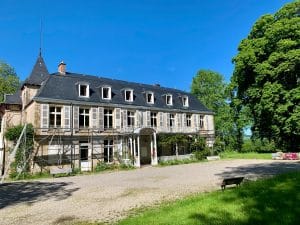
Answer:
(94, 121)
(148, 118)
(44, 117)
(124, 118)
(178, 118)
(76, 118)
(161, 119)
(101, 118)
(184, 119)
(137, 118)
(118, 118)
(168, 119)
(67, 117)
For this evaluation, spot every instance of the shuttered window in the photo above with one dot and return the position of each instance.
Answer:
(101, 118)
(76, 118)
(44, 117)
(67, 117)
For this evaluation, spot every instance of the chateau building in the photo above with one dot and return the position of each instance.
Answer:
(80, 120)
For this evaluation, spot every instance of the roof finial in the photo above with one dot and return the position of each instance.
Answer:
(41, 26)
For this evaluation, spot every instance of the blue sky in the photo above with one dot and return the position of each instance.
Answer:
(163, 42)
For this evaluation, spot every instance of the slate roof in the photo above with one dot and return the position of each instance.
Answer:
(64, 88)
(39, 73)
(13, 99)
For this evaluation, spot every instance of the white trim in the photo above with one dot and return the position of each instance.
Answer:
(169, 99)
(130, 96)
(87, 91)
(109, 92)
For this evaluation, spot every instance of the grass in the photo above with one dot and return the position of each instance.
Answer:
(246, 155)
(180, 161)
(271, 201)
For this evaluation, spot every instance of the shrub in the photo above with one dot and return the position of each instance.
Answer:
(260, 146)
(201, 154)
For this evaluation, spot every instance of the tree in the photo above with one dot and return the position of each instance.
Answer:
(9, 81)
(267, 76)
(211, 90)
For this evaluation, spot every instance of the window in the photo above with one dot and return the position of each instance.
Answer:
(108, 151)
(84, 152)
(106, 93)
(150, 97)
(201, 122)
(108, 119)
(172, 120)
(153, 117)
(169, 100)
(84, 90)
(55, 116)
(185, 101)
(188, 120)
(84, 118)
(0, 124)
(128, 95)
(130, 118)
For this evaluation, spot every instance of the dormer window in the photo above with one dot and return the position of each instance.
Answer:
(185, 101)
(128, 95)
(84, 90)
(169, 100)
(106, 93)
(150, 97)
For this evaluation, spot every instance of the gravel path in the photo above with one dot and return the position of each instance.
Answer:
(109, 196)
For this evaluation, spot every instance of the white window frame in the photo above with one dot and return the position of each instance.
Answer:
(87, 93)
(172, 120)
(86, 118)
(188, 120)
(130, 118)
(108, 116)
(151, 94)
(109, 93)
(153, 119)
(169, 99)
(185, 101)
(130, 95)
(56, 114)
(108, 147)
(201, 121)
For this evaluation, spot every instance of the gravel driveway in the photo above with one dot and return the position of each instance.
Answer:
(109, 196)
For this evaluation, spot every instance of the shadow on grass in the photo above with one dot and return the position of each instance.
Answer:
(30, 192)
(254, 171)
(272, 201)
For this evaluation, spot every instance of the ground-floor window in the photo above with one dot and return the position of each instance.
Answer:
(108, 151)
(84, 152)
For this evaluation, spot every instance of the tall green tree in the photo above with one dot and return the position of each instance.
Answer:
(267, 76)
(211, 90)
(9, 81)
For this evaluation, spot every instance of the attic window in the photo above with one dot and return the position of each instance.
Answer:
(150, 97)
(84, 90)
(106, 93)
(185, 101)
(169, 100)
(128, 95)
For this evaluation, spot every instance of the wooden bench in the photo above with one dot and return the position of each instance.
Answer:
(57, 170)
(233, 180)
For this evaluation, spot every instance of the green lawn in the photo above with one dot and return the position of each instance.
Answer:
(271, 201)
(247, 155)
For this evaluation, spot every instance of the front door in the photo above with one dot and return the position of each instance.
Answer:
(145, 149)
(85, 164)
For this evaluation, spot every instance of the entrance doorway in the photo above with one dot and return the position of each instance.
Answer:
(145, 149)
(85, 164)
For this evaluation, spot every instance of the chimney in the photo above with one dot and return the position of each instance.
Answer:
(62, 68)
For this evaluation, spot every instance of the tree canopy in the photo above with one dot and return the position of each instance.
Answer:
(210, 88)
(9, 81)
(267, 76)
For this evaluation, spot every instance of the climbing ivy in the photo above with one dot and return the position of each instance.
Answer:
(21, 165)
